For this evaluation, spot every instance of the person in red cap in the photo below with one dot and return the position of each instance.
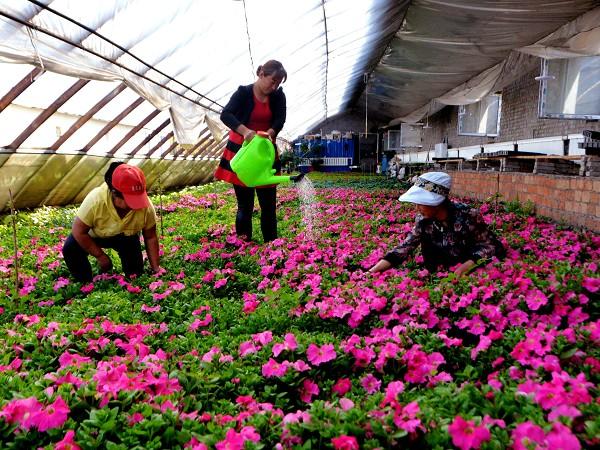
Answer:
(111, 216)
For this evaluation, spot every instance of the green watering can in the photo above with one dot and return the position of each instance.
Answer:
(253, 163)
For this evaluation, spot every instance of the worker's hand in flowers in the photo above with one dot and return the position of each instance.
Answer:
(381, 266)
(464, 268)
(104, 262)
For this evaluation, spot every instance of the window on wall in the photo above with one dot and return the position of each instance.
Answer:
(481, 118)
(570, 88)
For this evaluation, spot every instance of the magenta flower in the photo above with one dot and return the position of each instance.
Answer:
(233, 441)
(591, 284)
(54, 415)
(346, 404)
(466, 435)
(345, 442)
(220, 283)
(274, 369)
(563, 411)
(405, 417)
(22, 411)
(68, 442)
(87, 288)
(195, 444)
(247, 348)
(72, 359)
(370, 383)
(60, 283)
(342, 386)
(561, 437)
(319, 355)
(535, 299)
(391, 393)
(150, 309)
(289, 343)
(308, 390)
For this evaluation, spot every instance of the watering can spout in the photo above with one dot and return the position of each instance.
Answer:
(253, 163)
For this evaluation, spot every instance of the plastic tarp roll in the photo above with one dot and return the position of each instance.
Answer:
(456, 52)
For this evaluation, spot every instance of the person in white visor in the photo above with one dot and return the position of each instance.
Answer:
(449, 234)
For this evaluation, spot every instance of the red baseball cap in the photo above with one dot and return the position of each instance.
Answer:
(131, 183)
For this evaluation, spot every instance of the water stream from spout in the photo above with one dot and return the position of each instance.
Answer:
(308, 207)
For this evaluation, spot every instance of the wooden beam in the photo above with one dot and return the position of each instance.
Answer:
(149, 138)
(201, 140)
(195, 147)
(212, 149)
(160, 143)
(170, 149)
(133, 132)
(18, 88)
(203, 149)
(87, 116)
(113, 123)
(45, 114)
(181, 150)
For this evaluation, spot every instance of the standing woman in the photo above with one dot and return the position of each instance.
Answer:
(256, 107)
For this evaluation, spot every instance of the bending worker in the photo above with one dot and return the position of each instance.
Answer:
(111, 216)
(449, 233)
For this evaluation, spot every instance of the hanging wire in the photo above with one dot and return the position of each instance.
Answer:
(248, 35)
(35, 49)
(326, 58)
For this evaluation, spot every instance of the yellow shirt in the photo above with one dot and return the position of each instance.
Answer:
(98, 212)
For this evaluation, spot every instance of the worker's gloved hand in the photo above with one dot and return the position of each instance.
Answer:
(297, 178)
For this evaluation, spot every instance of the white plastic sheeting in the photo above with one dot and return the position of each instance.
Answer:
(209, 47)
(455, 52)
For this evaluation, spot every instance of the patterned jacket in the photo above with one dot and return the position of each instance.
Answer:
(463, 236)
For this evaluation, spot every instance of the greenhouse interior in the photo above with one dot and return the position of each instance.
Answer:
(421, 268)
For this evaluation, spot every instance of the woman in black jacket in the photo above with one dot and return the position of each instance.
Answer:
(256, 107)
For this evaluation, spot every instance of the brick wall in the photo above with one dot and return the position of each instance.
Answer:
(519, 119)
(573, 200)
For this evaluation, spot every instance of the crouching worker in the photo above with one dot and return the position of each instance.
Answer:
(111, 216)
(448, 233)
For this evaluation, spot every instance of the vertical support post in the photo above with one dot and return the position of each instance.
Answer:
(13, 215)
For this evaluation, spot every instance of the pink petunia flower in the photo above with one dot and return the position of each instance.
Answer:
(233, 441)
(195, 444)
(561, 437)
(527, 435)
(342, 386)
(391, 393)
(591, 284)
(68, 442)
(345, 442)
(405, 417)
(274, 369)
(308, 390)
(370, 383)
(466, 435)
(23, 411)
(289, 343)
(54, 415)
(319, 355)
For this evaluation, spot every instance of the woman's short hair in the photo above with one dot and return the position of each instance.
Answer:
(274, 68)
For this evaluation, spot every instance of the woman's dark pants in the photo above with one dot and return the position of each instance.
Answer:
(128, 248)
(267, 199)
